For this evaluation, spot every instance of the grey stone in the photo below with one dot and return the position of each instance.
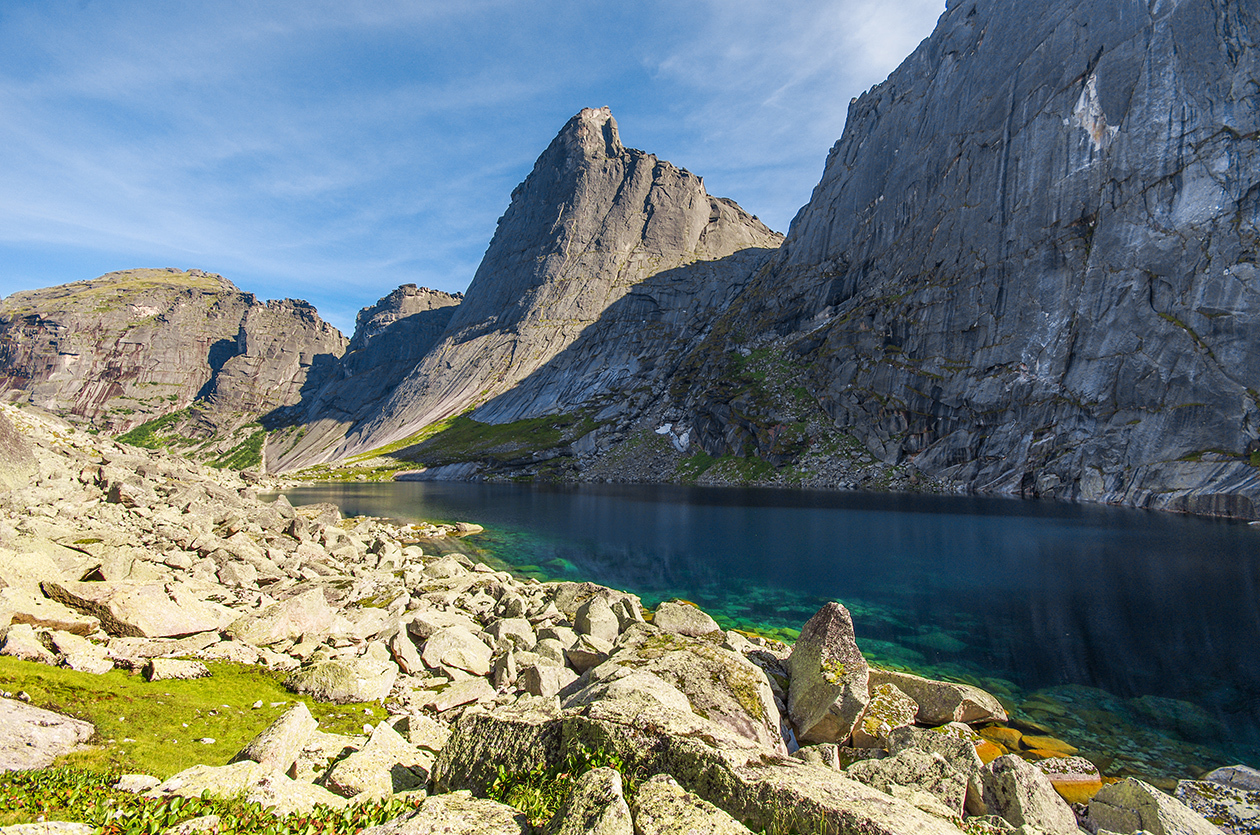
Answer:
(456, 813)
(249, 781)
(1233, 809)
(1131, 805)
(136, 783)
(545, 679)
(455, 646)
(305, 615)
(363, 679)
(827, 689)
(460, 693)
(942, 701)
(385, 765)
(1238, 776)
(684, 619)
(1020, 793)
(662, 807)
(280, 742)
(888, 708)
(164, 669)
(31, 737)
(128, 609)
(915, 770)
(595, 806)
(19, 641)
(588, 651)
(17, 457)
(596, 618)
(515, 631)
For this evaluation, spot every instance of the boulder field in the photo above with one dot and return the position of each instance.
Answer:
(117, 557)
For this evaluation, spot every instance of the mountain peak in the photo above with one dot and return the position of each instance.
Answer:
(592, 133)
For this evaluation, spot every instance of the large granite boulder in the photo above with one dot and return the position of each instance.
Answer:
(942, 701)
(456, 813)
(142, 611)
(1131, 805)
(720, 685)
(1022, 795)
(304, 615)
(828, 678)
(595, 806)
(887, 710)
(912, 772)
(1234, 809)
(662, 807)
(385, 765)
(31, 737)
(280, 742)
(365, 678)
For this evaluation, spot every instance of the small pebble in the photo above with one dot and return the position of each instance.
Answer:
(206, 740)
(367, 729)
(258, 704)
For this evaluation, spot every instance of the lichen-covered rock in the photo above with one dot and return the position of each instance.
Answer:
(720, 685)
(828, 685)
(595, 806)
(662, 807)
(1238, 776)
(1130, 805)
(888, 708)
(914, 769)
(684, 619)
(306, 614)
(1018, 792)
(516, 737)
(456, 813)
(385, 765)
(942, 701)
(1234, 809)
(280, 742)
(367, 678)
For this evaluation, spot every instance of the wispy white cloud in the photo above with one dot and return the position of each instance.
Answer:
(331, 150)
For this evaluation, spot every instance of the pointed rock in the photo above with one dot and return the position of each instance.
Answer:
(827, 689)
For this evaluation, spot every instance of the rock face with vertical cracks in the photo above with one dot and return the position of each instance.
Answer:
(131, 346)
(1030, 266)
(593, 221)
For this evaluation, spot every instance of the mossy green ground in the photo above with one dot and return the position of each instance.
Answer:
(154, 727)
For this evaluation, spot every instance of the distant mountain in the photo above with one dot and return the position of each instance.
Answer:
(598, 235)
(124, 349)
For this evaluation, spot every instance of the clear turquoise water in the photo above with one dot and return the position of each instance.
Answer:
(1134, 635)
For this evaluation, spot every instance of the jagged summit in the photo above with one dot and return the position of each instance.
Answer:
(591, 221)
(591, 134)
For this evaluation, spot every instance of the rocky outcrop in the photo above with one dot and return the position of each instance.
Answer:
(1028, 267)
(31, 737)
(130, 347)
(390, 337)
(592, 221)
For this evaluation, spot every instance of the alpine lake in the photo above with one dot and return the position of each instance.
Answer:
(1132, 635)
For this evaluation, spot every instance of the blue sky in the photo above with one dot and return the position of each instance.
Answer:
(333, 150)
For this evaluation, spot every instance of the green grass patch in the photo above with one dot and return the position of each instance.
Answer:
(157, 433)
(246, 454)
(70, 794)
(153, 715)
(464, 439)
(540, 792)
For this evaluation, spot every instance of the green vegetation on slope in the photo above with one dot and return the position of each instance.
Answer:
(154, 727)
(159, 433)
(246, 454)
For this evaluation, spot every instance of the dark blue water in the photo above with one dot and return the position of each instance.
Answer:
(1147, 624)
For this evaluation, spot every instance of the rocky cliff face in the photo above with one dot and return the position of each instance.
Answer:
(390, 337)
(1030, 264)
(591, 222)
(129, 347)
